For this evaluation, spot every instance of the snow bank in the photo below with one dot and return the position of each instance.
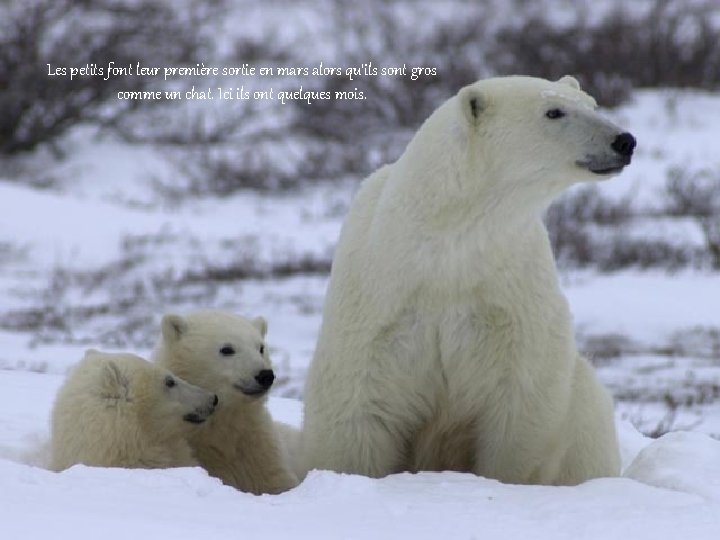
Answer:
(671, 489)
(185, 503)
(681, 461)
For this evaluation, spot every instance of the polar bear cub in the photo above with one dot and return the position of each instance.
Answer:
(118, 410)
(446, 342)
(226, 354)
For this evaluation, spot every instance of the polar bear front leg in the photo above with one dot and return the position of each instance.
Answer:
(592, 449)
(367, 441)
(567, 442)
(263, 459)
(369, 389)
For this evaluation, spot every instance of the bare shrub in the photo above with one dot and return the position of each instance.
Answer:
(621, 252)
(697, 195)
(568, 222)
(267, 162)
(36, 108)
(668, 422)
(366, 132)
(114, 304)
(11, 253)
(697, 342)
(373, 32)
(673, 44)
(601, 349)
(228, 146)
(586, 230)
(248, 268)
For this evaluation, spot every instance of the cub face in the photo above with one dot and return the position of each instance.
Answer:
(158, 398)
(219, 351)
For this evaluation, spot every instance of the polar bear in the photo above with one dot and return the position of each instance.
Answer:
(226, 354)
(446, 342)
(119, 410)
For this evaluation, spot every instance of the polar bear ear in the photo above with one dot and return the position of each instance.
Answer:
(473, 103)
(569, 80)
(261, 324)
(173, 327)
(113, 384)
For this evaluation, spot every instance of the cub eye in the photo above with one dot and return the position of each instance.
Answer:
(227, 350)
(169, 381)
(262, 349)
(555, 113)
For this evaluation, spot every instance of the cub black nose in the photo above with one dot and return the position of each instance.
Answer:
(215, 401)
(265, 378)
(624, 144)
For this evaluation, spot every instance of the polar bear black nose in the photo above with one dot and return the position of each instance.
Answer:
(265, 378)
(215, 400)
(624, 144)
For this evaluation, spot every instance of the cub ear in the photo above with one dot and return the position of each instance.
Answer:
(473, 103)
(173, 327)
(261, 324)
(569, 80)
(114, 383)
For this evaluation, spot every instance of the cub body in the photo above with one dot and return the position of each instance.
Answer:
(118, 410)
(226, 354)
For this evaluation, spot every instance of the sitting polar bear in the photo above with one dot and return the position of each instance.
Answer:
(226, 354)
(119, 410)
(446, 342)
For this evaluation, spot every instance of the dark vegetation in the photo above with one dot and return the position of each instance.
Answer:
(658, 43)
(37, 108)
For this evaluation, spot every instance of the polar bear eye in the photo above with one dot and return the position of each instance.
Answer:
(169, 381)
(555, 113)
(227, 350)
(262, 348)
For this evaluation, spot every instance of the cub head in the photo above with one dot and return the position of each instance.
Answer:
(533, 137)
(222, 352)
(159, 399)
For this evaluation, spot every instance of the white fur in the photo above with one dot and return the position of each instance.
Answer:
(239, 444)
(116, 410)
(446, 342)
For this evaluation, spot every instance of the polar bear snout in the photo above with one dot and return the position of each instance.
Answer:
(201, 413)
(624, 144)
(265, 378)
(262, 383)
(614, 159)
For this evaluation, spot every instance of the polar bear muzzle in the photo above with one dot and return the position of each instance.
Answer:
(624, 144)
(263, 381)
(613, 162)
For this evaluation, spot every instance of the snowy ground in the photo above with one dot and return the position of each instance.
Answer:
(97, 259)
(671, 488)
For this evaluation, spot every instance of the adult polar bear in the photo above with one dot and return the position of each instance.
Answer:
(446, 342)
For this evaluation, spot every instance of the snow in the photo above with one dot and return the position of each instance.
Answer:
(650, 307)
(114, 503)
(681, 461)
(673, 129)
(671, 488)
(92, 229)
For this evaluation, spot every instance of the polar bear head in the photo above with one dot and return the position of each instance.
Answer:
(219, 351)
(151, 393)
(518, 137)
